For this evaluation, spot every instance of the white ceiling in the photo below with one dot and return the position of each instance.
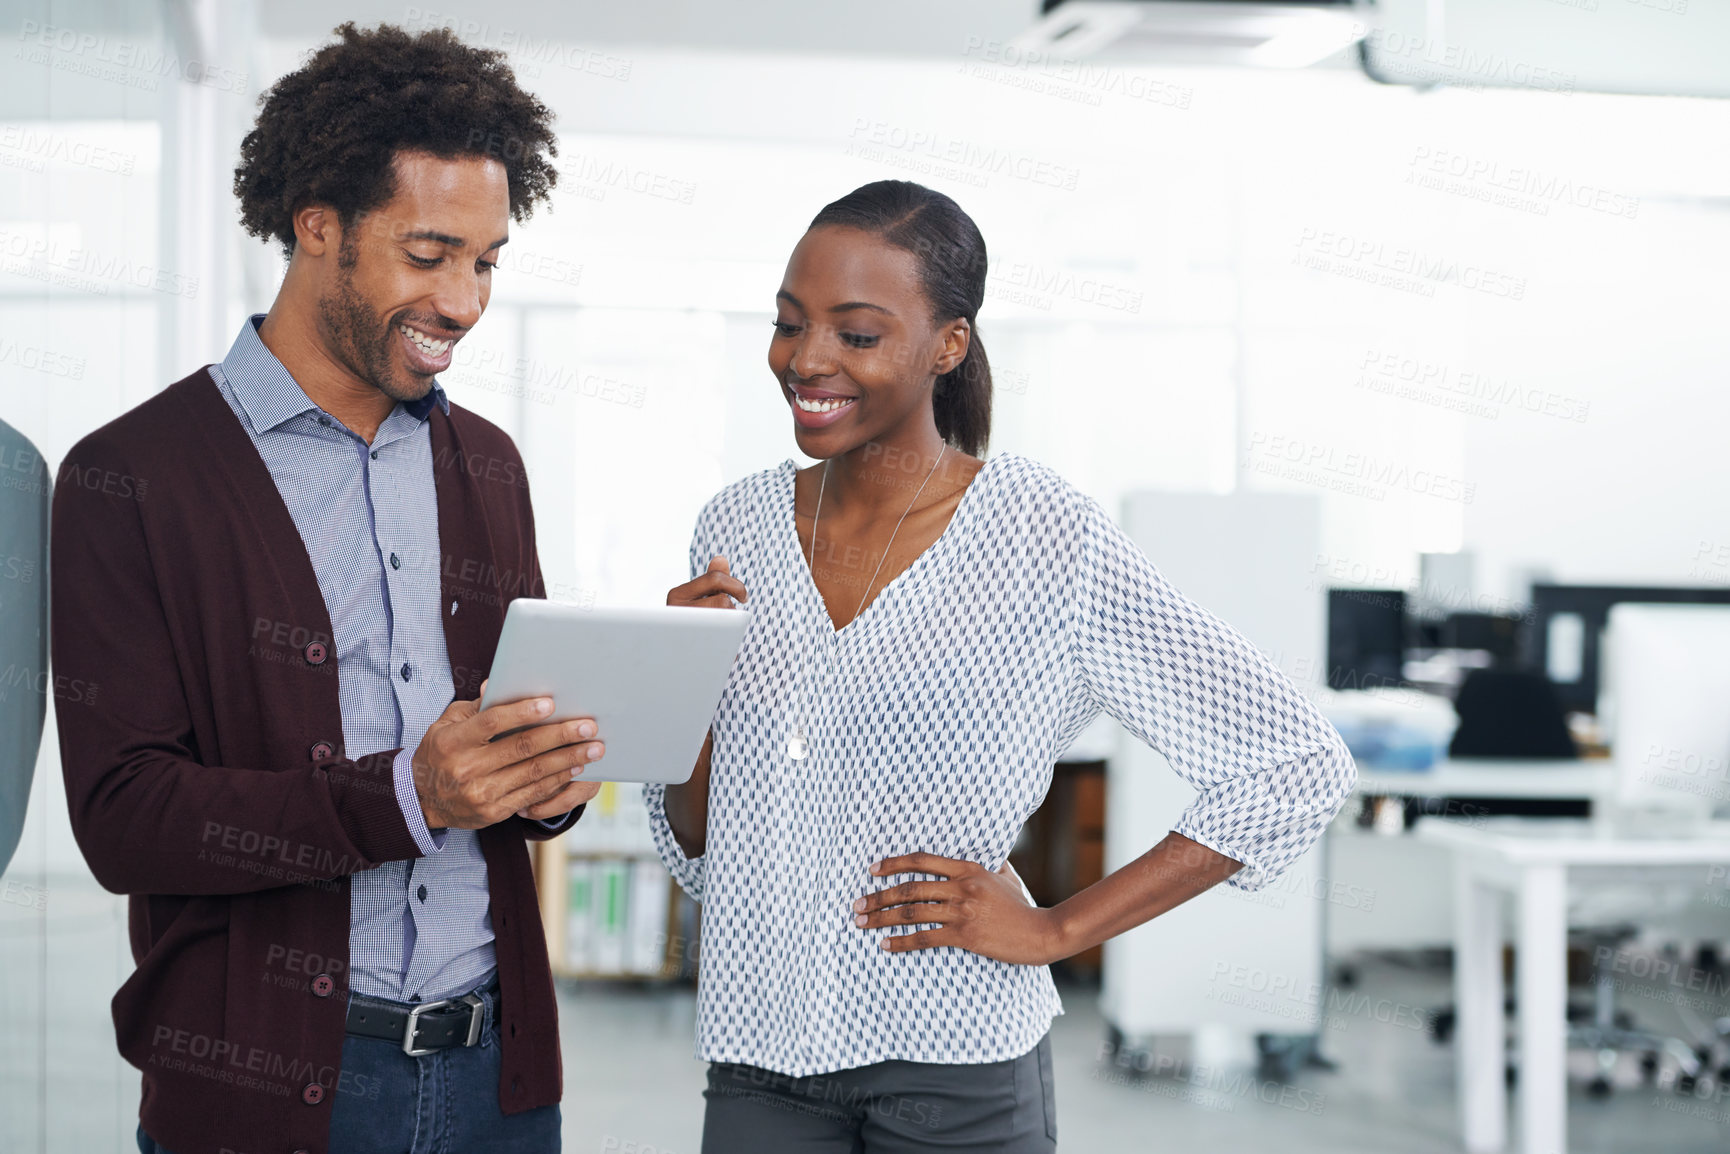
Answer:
(1637, 46)
(1651, 47)
(1679, 47)
(899, 27)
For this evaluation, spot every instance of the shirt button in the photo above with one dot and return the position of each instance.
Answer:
(375, 454)
(395, 561)
(322, 986)
(316, 653)
(325, 421)
(313, 1094)
(322, 750)
(421, 893)
(406, 674)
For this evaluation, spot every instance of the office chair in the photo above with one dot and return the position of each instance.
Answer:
(1666, 681)
(1611, 1032)
(1668, 673)
(1510, 713)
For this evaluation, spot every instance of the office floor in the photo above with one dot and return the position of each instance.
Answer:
(633, 1088)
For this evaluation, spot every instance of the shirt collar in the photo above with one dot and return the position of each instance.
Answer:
(271, 396)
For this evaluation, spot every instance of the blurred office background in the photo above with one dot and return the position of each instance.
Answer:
(1395, 332)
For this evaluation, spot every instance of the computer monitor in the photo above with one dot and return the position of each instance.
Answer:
(1666, 706)
(1494, 633)
(1366, 638)
(1561, 633)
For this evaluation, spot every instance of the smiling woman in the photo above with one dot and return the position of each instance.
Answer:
(920, 279)
(928, 632)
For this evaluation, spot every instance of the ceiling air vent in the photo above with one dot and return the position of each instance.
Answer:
(1179, 33)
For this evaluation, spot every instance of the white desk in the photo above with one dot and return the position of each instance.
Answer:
(1492, 777)
(1414, 897)
(1533, 859)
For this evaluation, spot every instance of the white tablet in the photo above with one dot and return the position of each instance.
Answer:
(651, 678)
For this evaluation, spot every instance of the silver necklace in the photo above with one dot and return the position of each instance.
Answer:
(797, 746)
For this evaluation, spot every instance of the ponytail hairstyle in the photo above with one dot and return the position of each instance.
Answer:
(951, 255)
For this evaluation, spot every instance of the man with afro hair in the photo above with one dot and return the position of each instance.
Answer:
(288, 573)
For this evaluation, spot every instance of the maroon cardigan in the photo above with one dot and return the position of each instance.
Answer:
(201, 739)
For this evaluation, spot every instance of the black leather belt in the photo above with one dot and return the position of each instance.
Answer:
(421, 1028)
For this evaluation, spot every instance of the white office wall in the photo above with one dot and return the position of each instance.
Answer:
(1244, 557)
(1273, 280)
(1535, 376)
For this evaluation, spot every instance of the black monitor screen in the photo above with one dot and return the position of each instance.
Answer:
(1575, 616)
(1366, 637)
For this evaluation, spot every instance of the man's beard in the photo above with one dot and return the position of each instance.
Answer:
(364, 343)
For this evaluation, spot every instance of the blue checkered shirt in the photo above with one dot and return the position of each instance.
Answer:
(421, 929)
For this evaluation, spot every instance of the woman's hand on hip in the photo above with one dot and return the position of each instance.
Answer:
(977, 909)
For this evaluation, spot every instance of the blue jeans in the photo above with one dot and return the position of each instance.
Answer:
(446, 1102)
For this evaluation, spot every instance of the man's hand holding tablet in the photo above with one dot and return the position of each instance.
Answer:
(647, 677)
(465, 780)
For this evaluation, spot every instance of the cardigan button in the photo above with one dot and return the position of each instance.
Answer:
(313, 1094)
(322, 750)
(322, 986)
(316, 653)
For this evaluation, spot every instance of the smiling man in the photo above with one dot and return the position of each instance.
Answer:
(270, 568)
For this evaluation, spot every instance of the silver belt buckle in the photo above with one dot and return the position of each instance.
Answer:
(476, 1015)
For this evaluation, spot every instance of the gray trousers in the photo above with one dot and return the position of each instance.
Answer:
(887, 1108)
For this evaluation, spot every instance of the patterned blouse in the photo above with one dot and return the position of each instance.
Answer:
(933, 720)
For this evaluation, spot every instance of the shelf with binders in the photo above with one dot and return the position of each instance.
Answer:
(610, 908)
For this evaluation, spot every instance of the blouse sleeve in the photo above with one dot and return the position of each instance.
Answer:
(689, 872)
(1270, 770)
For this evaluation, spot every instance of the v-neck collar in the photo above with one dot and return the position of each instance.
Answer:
(790, 528)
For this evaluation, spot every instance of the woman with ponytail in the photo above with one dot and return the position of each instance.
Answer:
(930, 630)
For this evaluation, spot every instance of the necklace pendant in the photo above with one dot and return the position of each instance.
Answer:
(796, 743)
